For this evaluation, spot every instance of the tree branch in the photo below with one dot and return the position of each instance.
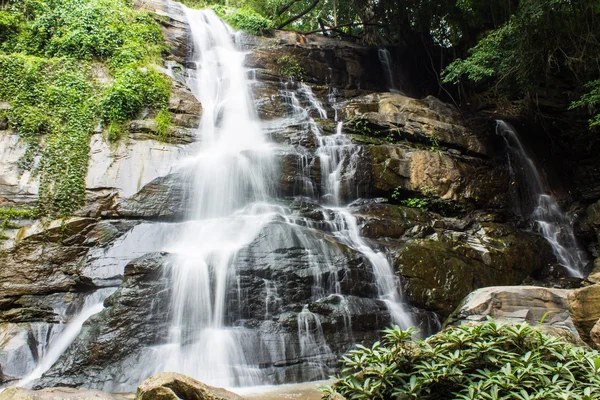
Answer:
(280, 10)
(302, 14)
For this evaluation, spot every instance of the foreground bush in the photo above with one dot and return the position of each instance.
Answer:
(488, 361)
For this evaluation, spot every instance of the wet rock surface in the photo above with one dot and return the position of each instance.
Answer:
(134, 316)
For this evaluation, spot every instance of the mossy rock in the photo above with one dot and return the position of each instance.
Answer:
(439, 274)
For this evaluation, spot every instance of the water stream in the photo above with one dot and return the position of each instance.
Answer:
(532, 195)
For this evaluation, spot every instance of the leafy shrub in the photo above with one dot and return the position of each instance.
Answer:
(487, 361)
(46, 75)
(132, 91)
(163, 122)
(590, 101)
(9, 25)
(288, 66)
(244, 19)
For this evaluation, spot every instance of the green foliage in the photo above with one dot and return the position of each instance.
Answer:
(245, 19)
(288, 66)
(591, 102)
(542, 41)
(85, 29)
(134, 90)
(49, 50)
(115, 131)
(8, 214)
(53, 99)
(163, 122)
(361, 126)
(428, 201)
(240, 14)
(9, 25)
(413, 202)
(487, 361)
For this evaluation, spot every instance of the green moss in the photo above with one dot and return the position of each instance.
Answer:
(14, 213)
(9, 214)
(115, 131)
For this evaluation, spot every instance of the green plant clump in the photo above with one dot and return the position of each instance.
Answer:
(288, 66)
(244, 19)
(163, 122)
(474, 362)
(9, 214)
(50, 51)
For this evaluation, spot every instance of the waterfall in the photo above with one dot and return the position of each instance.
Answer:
(58, 344)
(532, 193)
(229, 321)
(338, 165)
(385, 58)
(232, 172)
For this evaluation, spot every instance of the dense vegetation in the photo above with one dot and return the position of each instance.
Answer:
(488, 361)
(52, 55)
(530, 55)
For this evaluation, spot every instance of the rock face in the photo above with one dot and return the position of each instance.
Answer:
(517, 304)
(438, 274)
(584, 305)
(172, 386)
(135, 316)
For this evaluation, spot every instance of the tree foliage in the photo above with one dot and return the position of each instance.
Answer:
(475, 362)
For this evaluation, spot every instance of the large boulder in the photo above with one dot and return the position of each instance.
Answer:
(164, 198)
(173, 386)
(518, 304)
(584, 305)
(440, 270)
(428, 120)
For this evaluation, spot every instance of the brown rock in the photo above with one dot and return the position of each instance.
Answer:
(595, 334)
(429, 120)
(519, 304)
(173, 386)
(584, 305)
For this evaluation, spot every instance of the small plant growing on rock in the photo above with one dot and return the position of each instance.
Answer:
(288, 66)
(474, 362)
(163, 122)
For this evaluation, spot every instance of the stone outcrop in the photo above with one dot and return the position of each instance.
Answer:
(584, 305)
(134, 316)
(519, 304)
(428, 120)
(296, 265)
(172, 386)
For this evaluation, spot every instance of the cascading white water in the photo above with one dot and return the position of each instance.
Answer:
(93, 305)
(233, 169)
(338, 164)
(234, 215)
(385, 58)
(553, 224)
